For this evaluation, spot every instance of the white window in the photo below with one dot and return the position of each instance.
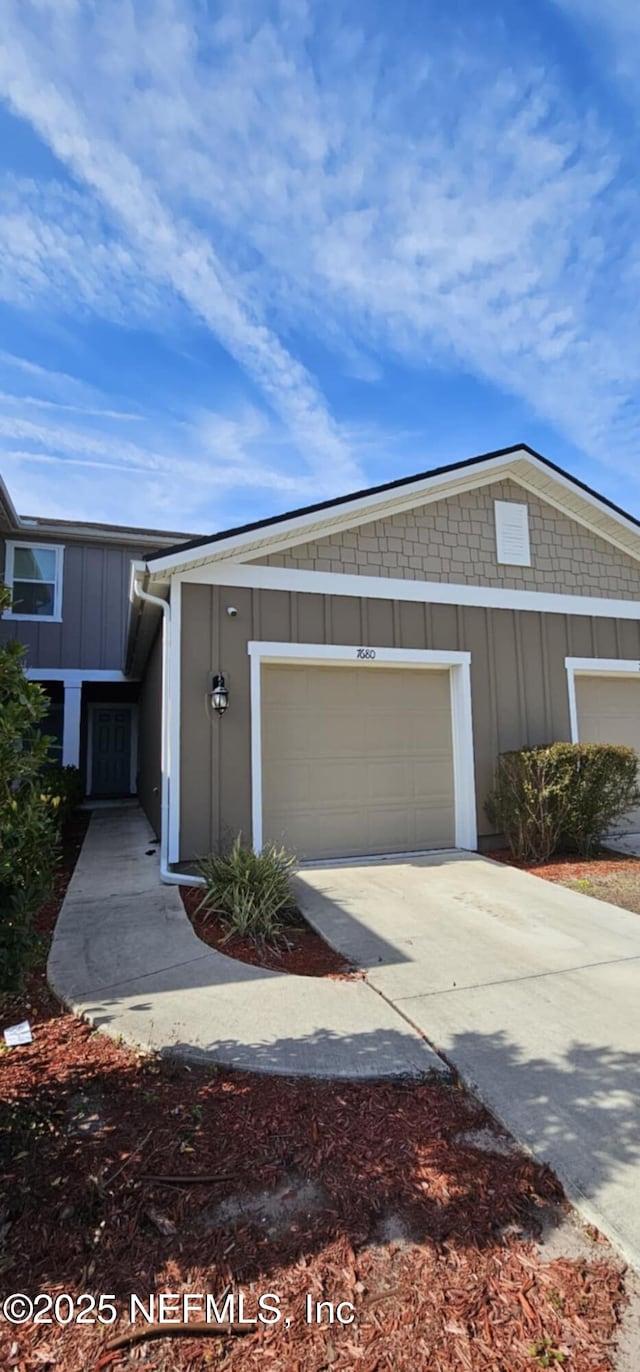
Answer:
(33, 574)
(512, 533)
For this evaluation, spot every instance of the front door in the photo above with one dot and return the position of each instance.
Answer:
(111, 750)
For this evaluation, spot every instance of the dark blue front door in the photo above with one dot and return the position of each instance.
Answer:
(111, 751)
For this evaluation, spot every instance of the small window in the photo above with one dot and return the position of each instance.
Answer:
(512, 533)
(34, 577)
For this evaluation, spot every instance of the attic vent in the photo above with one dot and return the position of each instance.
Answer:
(512, 533)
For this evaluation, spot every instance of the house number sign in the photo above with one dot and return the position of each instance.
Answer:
(365, 654)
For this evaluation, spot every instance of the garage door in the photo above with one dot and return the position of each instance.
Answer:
(357, 760)
(609, 712)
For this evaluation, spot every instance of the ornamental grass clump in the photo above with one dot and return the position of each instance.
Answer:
(566, 796)
(250, 892)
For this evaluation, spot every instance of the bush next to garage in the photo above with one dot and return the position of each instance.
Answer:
(562, 796)
(250, 891)
(28, 814)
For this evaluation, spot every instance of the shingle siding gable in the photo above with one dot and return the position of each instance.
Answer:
(454, 540)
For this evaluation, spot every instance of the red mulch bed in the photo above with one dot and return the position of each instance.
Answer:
(604, 876)
(300, 950)
(566, 867)
(368, 1193)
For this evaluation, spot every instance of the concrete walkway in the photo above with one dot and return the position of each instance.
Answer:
(627, 844)
(125, 956)
(531, 990)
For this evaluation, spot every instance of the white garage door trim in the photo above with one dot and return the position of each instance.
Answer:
(593, 666)
(330, 654)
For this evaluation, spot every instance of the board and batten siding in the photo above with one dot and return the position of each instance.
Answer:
(518, 680)
(150, 736)
(95, 604)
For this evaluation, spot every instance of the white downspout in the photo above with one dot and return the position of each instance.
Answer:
(168, 877)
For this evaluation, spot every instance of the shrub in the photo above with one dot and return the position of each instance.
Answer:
(603, 787)
(564, 795)
(250, 891)
(64, 784)
(28, 816)
(529, 803)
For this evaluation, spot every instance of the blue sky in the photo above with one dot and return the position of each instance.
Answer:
(258, 254)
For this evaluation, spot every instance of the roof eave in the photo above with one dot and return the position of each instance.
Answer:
(316, 521)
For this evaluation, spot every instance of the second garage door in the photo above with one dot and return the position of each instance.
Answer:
(357, 760)
(609, 712)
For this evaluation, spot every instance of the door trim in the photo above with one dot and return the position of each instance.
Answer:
(594, 666)
(132, 707)
(341, 655)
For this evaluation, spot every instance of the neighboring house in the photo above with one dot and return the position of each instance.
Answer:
(378, 651)
(69, 583)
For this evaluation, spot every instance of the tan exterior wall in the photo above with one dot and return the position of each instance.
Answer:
(95, 607)
(150, 736)
(519, 683)
(454, 540)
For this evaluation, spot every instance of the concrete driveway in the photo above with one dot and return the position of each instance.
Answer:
(530, 990)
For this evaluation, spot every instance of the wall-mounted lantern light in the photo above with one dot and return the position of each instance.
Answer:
(219, 694)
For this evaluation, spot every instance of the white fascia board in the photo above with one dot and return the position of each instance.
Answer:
(358, 510)
(588, 496)
(389, 588)
(594, 527)
(137, 569)
(287, 532)
(129, 537)
(75, 676)
(10, 509)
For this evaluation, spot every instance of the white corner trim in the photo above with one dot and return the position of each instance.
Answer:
(389, 588)
(173, 706)
(256, 750)
(594, 666)
(464, 779)
(459, 665)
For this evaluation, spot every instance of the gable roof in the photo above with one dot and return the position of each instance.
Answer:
(12, 522)
(536, 473)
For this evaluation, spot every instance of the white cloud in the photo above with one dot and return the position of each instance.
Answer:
(620, 18)
(175, 252)
(146, 467)
(296, 177)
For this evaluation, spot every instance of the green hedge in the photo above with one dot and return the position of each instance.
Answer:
(28, 815)
(562, 796)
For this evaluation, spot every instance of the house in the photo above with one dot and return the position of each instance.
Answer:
(69, 584)
(379, 651)
(376, 652)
